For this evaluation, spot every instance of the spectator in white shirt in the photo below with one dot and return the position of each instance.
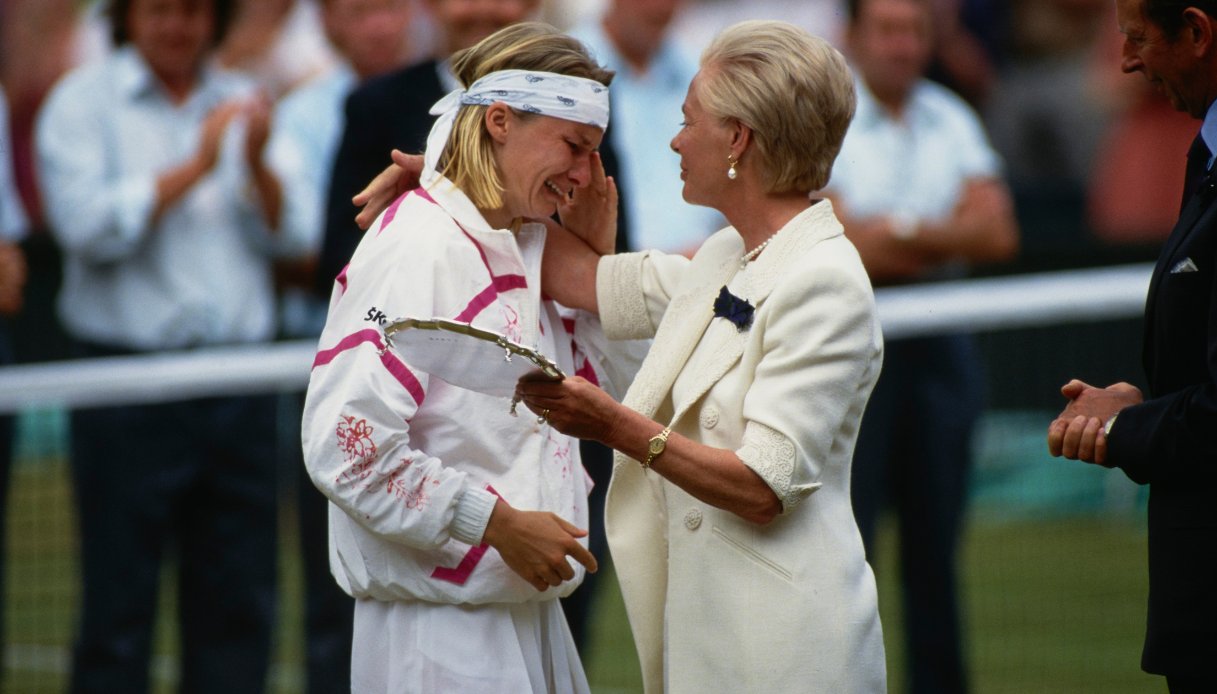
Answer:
(151, 170)
(919, 190)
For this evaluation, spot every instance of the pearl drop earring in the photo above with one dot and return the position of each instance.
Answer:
(731, 172)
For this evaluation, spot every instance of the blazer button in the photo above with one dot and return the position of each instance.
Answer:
(692, 519)
(709, 418)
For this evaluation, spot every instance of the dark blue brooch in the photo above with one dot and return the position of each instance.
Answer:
(734, 309)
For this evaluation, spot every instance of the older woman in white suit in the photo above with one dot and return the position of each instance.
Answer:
(728, 515)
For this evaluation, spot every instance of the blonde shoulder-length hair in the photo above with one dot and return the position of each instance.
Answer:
(793, 90)
(468, 158)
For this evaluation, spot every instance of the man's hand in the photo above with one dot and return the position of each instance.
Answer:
(257, 129)
(535, 544)
(885, 257)
(1077, 433)
(173, 183)
(265, 182)
(402, 175)
(212, 135)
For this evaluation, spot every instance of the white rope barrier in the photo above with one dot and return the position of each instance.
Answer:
(1019, 301)
(263, 368)
(975, 305)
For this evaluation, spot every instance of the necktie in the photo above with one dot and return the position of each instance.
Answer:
(1197, 165)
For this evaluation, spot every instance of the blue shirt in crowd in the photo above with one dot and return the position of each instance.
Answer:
(646, 116)
(199, 275)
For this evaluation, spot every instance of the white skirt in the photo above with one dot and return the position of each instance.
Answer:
(408, 647)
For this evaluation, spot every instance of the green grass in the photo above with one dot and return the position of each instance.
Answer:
(1053, 604)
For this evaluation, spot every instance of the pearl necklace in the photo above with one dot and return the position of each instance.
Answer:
(743, 263)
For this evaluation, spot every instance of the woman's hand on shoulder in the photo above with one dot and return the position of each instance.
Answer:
(402, 175)
(591, 211)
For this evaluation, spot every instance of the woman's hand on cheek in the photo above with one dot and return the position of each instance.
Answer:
(591, 211)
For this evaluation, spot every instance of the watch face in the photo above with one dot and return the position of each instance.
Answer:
(656, 446)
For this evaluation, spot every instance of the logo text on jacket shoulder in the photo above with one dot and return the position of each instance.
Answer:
(375, 315)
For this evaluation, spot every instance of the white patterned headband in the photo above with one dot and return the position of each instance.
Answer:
(570, 98)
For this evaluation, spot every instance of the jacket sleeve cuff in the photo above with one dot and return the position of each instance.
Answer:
(623, 308)
(473, 511)
(772, 456)
(1124, 445)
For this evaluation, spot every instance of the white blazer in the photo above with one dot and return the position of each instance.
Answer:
(718, 604)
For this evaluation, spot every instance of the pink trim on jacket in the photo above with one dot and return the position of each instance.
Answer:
(392, 364)
(460, 573)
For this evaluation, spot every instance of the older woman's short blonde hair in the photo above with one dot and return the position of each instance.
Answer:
(468, 158)
(793, 90)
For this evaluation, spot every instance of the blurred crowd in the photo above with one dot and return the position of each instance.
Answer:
(1042, 73)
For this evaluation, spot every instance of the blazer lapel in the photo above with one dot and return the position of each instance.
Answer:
(679, 333)
(724, 345)
(782, 256)
(1198, 207)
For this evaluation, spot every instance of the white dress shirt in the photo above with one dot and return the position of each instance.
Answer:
(201, 273)
(915, 165)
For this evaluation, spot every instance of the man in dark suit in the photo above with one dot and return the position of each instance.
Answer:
(1169, 441)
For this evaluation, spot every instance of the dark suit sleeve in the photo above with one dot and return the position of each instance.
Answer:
(1172, 436)
(1162, 438)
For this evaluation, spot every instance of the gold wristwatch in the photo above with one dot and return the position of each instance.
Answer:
(656, 446)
